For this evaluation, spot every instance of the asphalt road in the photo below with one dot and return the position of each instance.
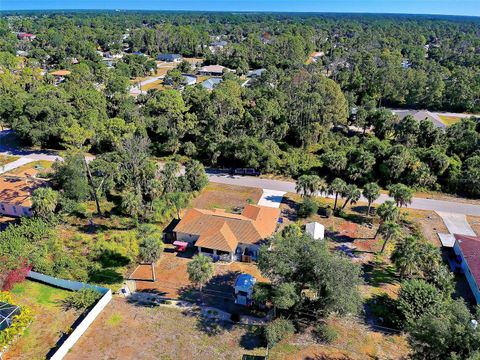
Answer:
(278, 185)
(417, 203)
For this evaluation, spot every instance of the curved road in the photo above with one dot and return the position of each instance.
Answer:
(287, 186)
(278, 185)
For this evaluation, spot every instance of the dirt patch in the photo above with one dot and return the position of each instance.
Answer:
(430, 224)
(128, 331)
(229, 197)
(474, 222)
(354, 341)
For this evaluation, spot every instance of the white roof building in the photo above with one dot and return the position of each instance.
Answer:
(315, 230)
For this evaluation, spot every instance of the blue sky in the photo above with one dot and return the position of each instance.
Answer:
(447, 7)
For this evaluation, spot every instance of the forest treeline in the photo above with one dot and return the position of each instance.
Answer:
(295, 119)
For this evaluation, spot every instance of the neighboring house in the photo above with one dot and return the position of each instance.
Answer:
(467, 250)
(315, 230)
(255, 73)
(217, 45)
(26, 36)
(244, 289)
(406, 64)
(188, 80)
(170, 57)
(420, 115)
(16, 193)
(22, 53)
(317, 56)
(228, 236)
(60, 75)
(213, 70)
(210, 84)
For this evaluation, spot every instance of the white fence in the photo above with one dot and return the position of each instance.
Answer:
(87, 320)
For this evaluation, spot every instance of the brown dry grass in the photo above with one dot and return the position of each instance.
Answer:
(127, 331)
(449, 120)
(355, 341)
(32, 168)
(227, 197)
(474, 222)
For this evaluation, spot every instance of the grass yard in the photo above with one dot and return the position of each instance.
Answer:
(157, 85)
(127, 331)
(229, 197)
(449, 120)
(51, 320)
(354, 341)
(32, 168)
(6, 159)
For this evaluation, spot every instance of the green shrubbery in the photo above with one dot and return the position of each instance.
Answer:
(82, 299)
(326, 333)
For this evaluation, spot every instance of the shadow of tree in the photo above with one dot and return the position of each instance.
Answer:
(253, 338)
(105, 276)
(109, 258)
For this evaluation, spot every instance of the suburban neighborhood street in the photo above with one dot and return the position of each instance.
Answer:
(286, 186)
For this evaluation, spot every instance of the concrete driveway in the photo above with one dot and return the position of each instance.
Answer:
(456, 223)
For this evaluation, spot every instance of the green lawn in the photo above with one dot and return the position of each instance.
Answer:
(39, 293)
(449, 120)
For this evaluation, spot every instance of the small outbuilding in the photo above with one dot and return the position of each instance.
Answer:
(315, 230)
(244, 289)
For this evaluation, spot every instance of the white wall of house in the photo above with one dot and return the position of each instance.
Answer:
(468, 274)
(190, 238)
(14, 210)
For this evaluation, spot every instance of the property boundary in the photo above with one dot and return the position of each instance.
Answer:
(87, 320)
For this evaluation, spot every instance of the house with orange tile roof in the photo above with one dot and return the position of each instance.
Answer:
(16, 193)
(228, 236)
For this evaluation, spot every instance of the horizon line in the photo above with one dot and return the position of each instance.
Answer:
(239, 11)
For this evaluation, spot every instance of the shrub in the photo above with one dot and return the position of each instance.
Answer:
(278, 330)
(326, 333)
(307, 208)
(17, 275)
(328, 211)
(82, 299)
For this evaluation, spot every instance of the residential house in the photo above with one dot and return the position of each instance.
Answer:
(228, 236)
(467, 250)
(60, 75)
(255, 73)
(16, 193)
(26, 36)
(317, 56)
(213, 70)
(211, 83)
(420, 115)
(170, 57)
(217, 45)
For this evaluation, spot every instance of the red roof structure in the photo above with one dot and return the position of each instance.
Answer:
(470, 247)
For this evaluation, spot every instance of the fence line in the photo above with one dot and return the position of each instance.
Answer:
(87, 320)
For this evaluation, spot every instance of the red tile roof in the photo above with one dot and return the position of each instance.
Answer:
(470, 247)
(223, 231)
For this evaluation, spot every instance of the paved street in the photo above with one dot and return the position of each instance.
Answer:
(268, 184)
(286, 186)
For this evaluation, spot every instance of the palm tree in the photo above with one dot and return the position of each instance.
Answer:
(371, 192)
(307, 185)
(402, 194)
(351, 194)
(44, 202)
(336, 188)
(406, 256)
(200, 270)
(389, 230)
(387, 211)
